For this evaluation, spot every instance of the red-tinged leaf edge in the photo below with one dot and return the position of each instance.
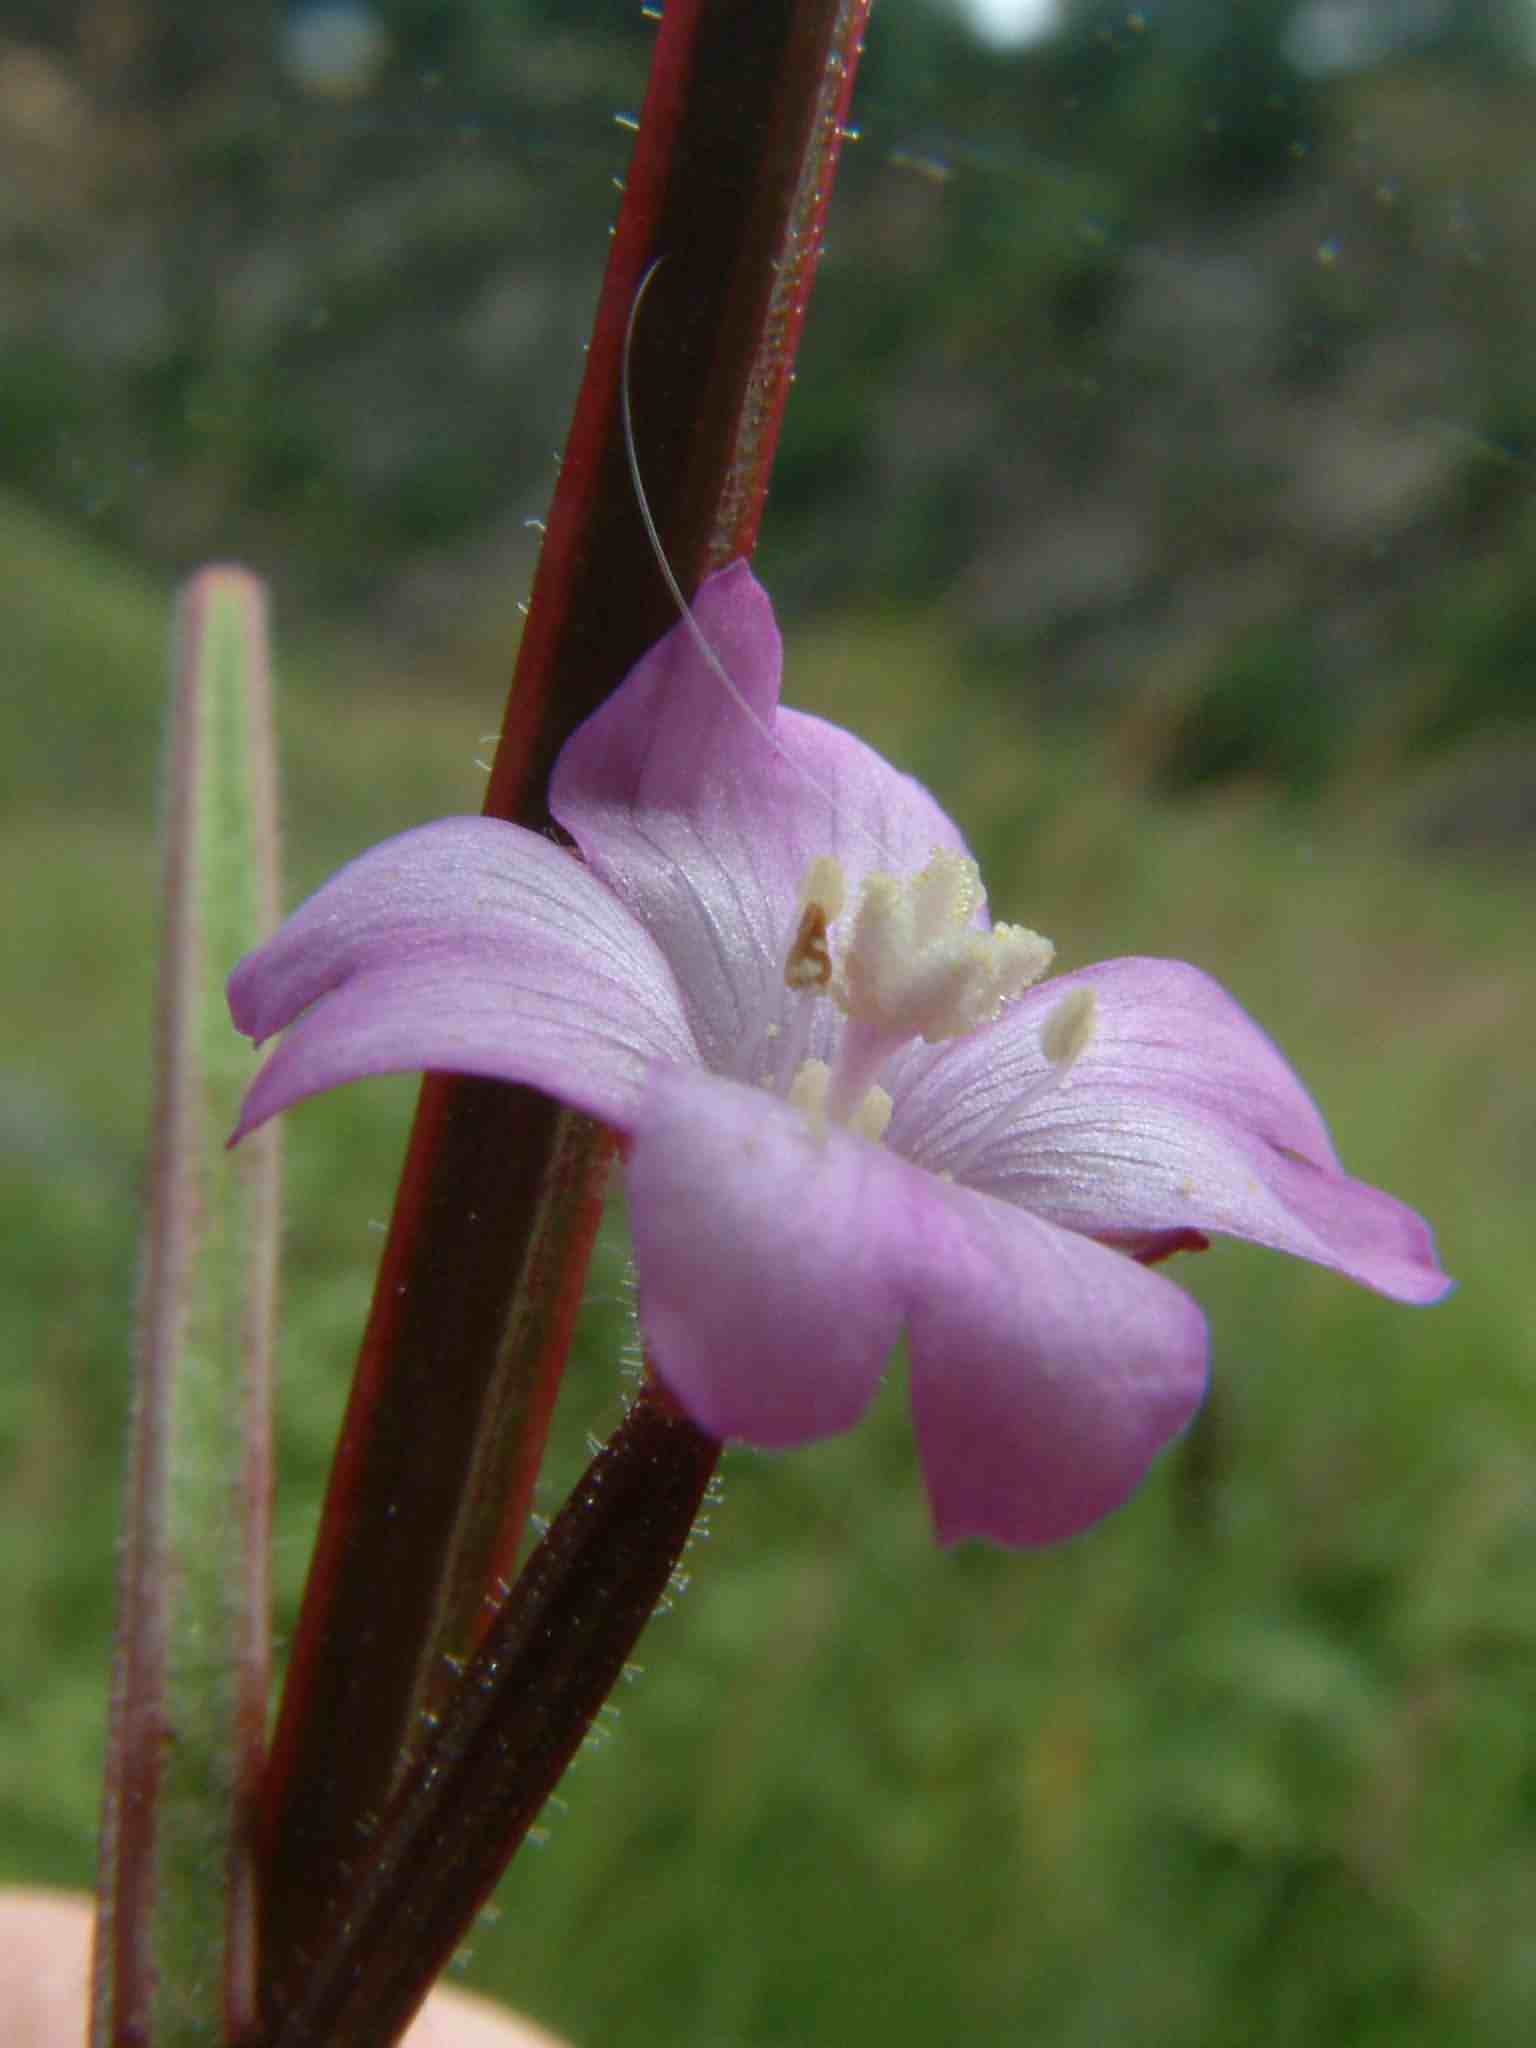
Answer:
(175, 1941)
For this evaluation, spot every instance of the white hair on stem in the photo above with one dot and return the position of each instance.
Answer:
(711, 659)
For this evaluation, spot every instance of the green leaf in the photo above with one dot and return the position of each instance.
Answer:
(175, 1950)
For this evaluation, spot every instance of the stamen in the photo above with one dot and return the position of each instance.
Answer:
(824, 884)
(873, 1115)
(916, 967)
(809, 962)
(1068, 1031)
(808, 1092)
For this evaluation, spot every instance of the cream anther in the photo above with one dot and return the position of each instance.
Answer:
(1068, 1031)
(824, 885)
(916, 967)
(808, 1093)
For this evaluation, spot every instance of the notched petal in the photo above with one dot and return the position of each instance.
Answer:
(467, 946)
(769, 1297)
(1047, 1373)
(777, 1267)
(1178, 1116)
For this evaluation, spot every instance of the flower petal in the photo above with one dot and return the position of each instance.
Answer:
(469, 946)
(777, 1266)
(769, 1296)
(1179, 1115)
(1047, 1372)
(704, 816)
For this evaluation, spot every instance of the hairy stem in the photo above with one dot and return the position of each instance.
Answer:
(494, 1222)
(517, 1717)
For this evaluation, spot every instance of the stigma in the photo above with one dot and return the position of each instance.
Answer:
(917, 966)
(912, 962)
(915, 963)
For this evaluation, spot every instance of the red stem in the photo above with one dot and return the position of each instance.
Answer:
(549, 1660)
(493, 1225)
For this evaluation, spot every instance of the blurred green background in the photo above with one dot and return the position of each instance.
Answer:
(1157, 487)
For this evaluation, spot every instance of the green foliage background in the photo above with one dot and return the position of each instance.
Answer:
(1253, 1761)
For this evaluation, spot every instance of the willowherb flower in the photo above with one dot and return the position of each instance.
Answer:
(850, 1105)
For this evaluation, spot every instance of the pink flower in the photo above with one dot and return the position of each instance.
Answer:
(847, 1110)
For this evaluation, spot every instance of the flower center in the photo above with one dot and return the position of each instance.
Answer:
(913, 964)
